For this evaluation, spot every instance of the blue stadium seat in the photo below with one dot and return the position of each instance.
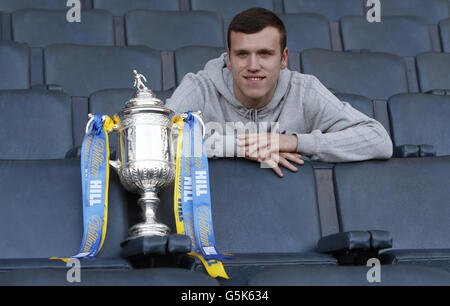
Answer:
(228, 9)
(331, 9)
(82, 70)
(305, 31)
(95, 28)
(350, 276)
(172, 30)
(363, 104)
(106, 277)
(444, 28)
(120, 7)
(431, 10)
(14, 66)
(36, 124)
(404, 36)
(8, 6)
(192, 59)
(406, 196)
(373, 75)
(42, 217)
(419, 119)
(433, 71)
(266, 223)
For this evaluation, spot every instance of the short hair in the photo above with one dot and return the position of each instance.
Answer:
(254, 20)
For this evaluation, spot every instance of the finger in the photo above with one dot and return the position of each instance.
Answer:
(284, 162)
(293, 157)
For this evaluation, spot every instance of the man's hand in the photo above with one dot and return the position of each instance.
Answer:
(272, 149)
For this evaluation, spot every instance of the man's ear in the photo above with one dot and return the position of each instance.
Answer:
(284, 58)
(228, 59)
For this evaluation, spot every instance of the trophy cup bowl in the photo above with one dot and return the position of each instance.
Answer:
(145, 163)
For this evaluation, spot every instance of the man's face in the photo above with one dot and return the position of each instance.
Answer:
(255, 61)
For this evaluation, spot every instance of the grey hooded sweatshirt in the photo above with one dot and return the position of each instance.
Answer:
(327, 129)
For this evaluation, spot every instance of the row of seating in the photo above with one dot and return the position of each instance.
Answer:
(42, 124)
(395, 210)
(81, 70)
(431, 10)
(168, 30)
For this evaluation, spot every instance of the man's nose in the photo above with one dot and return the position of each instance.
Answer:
(253, 63)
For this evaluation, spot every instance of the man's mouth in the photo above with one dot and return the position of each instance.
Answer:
(254, 78)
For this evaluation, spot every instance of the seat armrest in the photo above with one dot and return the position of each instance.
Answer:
(355, 247)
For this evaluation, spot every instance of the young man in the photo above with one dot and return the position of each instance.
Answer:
(250, 83)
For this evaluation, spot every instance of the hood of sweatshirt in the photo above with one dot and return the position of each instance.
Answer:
(222, 78)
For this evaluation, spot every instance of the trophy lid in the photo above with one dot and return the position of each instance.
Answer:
(144, 98)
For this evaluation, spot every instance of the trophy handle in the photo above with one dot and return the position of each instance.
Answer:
(198, 115)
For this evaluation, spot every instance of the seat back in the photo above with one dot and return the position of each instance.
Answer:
(228, 9)
(82, 70)
(305, 31)
(193, 59)
(444, 29)
(433, 68)
(421, 119)
(41, 210)
(14, 66)
(96, 27)
(407, 196)
(373, 75)
(404, 36)
(254, 211)
(171, 30)
(36, 124)
(9, 6)
(431, 10)
(120, 7)
(363, 104)
(331, 9)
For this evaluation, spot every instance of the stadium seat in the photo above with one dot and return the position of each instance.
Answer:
(41, 216)
(228, 9)
(14, 66)
(350, 276)
(192, 59)
(363, 104)
(36, 124)
(404, 36)
(406, 196)
(105, 277)
(82, 70)
(171, 30)
(8, 6)
(331, 9)
(120, 7)
(305, 31)
(444, 28)
(95, 28)
(433, 71)
(431, 10)
(419, 119)
(373, 75)
(264, 221)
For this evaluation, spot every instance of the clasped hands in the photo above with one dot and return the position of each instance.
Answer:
(272, 149)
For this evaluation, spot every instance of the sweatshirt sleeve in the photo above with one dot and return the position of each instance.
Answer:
(339, 133)
(187, 96)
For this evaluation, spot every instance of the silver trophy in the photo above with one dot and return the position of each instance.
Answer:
(145, 162)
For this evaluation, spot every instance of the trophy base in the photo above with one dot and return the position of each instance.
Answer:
(148, 229)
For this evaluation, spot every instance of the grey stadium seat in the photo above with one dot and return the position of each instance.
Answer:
(404, 36)
(95, 28)
(444, 28)
(36, 124)
(192, 59)
(373, 75)
(331, 9)
(419, 119)
(431, 10)
(120, 7)
(172, 30)
(228, 9)
(433, 71)
(82, 70)
(9, 6)
(14, 65)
